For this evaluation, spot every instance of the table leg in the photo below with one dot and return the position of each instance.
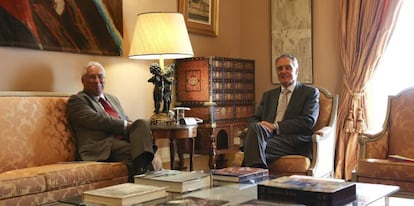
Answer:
(172, 152)
(212, 156)
(387, 200)
(180, 151)
(191, 153)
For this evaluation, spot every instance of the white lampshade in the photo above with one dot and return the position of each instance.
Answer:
(160, 36)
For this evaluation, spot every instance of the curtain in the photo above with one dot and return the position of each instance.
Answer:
(365, 28)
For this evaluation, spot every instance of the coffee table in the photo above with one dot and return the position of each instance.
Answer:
(368, 193)
(236, 193)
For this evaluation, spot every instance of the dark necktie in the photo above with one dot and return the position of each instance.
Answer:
(108, 108)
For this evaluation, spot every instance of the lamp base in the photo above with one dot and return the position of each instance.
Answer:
(162, 119)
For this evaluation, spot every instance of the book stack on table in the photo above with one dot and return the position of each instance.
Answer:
(126, 194)
(177, 182)
(239, 175)
(307, 190)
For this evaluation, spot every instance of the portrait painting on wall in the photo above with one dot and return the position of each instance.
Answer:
(77, 26)
(292, 33)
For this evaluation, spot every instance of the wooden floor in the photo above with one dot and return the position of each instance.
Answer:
(201, 162)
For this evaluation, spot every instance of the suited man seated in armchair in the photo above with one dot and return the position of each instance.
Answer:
(283, 122)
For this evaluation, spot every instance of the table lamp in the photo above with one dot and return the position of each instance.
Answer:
(161, 35)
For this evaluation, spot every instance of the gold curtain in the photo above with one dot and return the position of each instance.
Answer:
(365, 28)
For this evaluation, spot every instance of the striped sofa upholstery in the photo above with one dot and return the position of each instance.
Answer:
(37, 152)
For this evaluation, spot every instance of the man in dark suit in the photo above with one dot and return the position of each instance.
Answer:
(283, 121)
(107, 135)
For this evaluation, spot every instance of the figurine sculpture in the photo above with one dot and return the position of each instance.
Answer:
(163, 79)
(168, 78)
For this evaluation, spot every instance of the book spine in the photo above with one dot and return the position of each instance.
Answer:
(305, 197)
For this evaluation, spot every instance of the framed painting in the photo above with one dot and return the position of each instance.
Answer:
(201, 16)
(291, 22)
(78, 26)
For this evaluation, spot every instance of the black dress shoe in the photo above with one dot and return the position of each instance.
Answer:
(138, 171)
(131, 179)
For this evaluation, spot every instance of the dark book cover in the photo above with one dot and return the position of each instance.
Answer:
(307, 190)
(267, 203)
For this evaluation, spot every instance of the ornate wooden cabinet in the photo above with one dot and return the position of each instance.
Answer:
(220, 91)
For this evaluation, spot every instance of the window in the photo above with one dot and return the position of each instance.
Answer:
(395, 71)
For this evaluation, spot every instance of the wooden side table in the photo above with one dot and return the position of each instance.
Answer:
(173, 133)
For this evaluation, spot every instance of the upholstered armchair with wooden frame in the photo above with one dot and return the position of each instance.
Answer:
(395, 138)
(323, 145)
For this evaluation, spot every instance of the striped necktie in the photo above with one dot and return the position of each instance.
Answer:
(111, 111)
(108, 108)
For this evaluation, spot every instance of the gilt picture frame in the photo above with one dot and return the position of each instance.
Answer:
(201, 16)
(291, 32)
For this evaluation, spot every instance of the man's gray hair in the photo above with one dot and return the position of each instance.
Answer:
(92, 64)
(290, 56)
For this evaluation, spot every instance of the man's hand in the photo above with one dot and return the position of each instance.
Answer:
(269, 125)
(128, 124)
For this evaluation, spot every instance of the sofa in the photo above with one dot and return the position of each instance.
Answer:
(38, 153)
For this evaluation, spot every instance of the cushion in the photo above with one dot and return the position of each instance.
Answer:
(325, 108)
(21, 183)
(386, 169)
(56, 176)
(290, 163)
(34, 132)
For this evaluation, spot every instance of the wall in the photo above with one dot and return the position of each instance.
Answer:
(34, 70)
(244, 31)
(256, 43)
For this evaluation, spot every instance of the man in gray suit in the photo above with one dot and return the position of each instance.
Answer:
(282, 125)
(101, 128)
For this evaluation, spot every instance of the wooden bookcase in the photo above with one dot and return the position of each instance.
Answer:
(221, 91)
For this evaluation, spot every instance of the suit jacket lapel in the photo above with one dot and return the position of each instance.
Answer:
(275, 102)
(95, 103)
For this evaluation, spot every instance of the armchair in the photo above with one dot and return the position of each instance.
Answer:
(396, 138)
(323, 144)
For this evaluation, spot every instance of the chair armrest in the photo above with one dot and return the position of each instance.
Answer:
(322, 134)
(373, 145)
(372, 136)
(323, 150)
